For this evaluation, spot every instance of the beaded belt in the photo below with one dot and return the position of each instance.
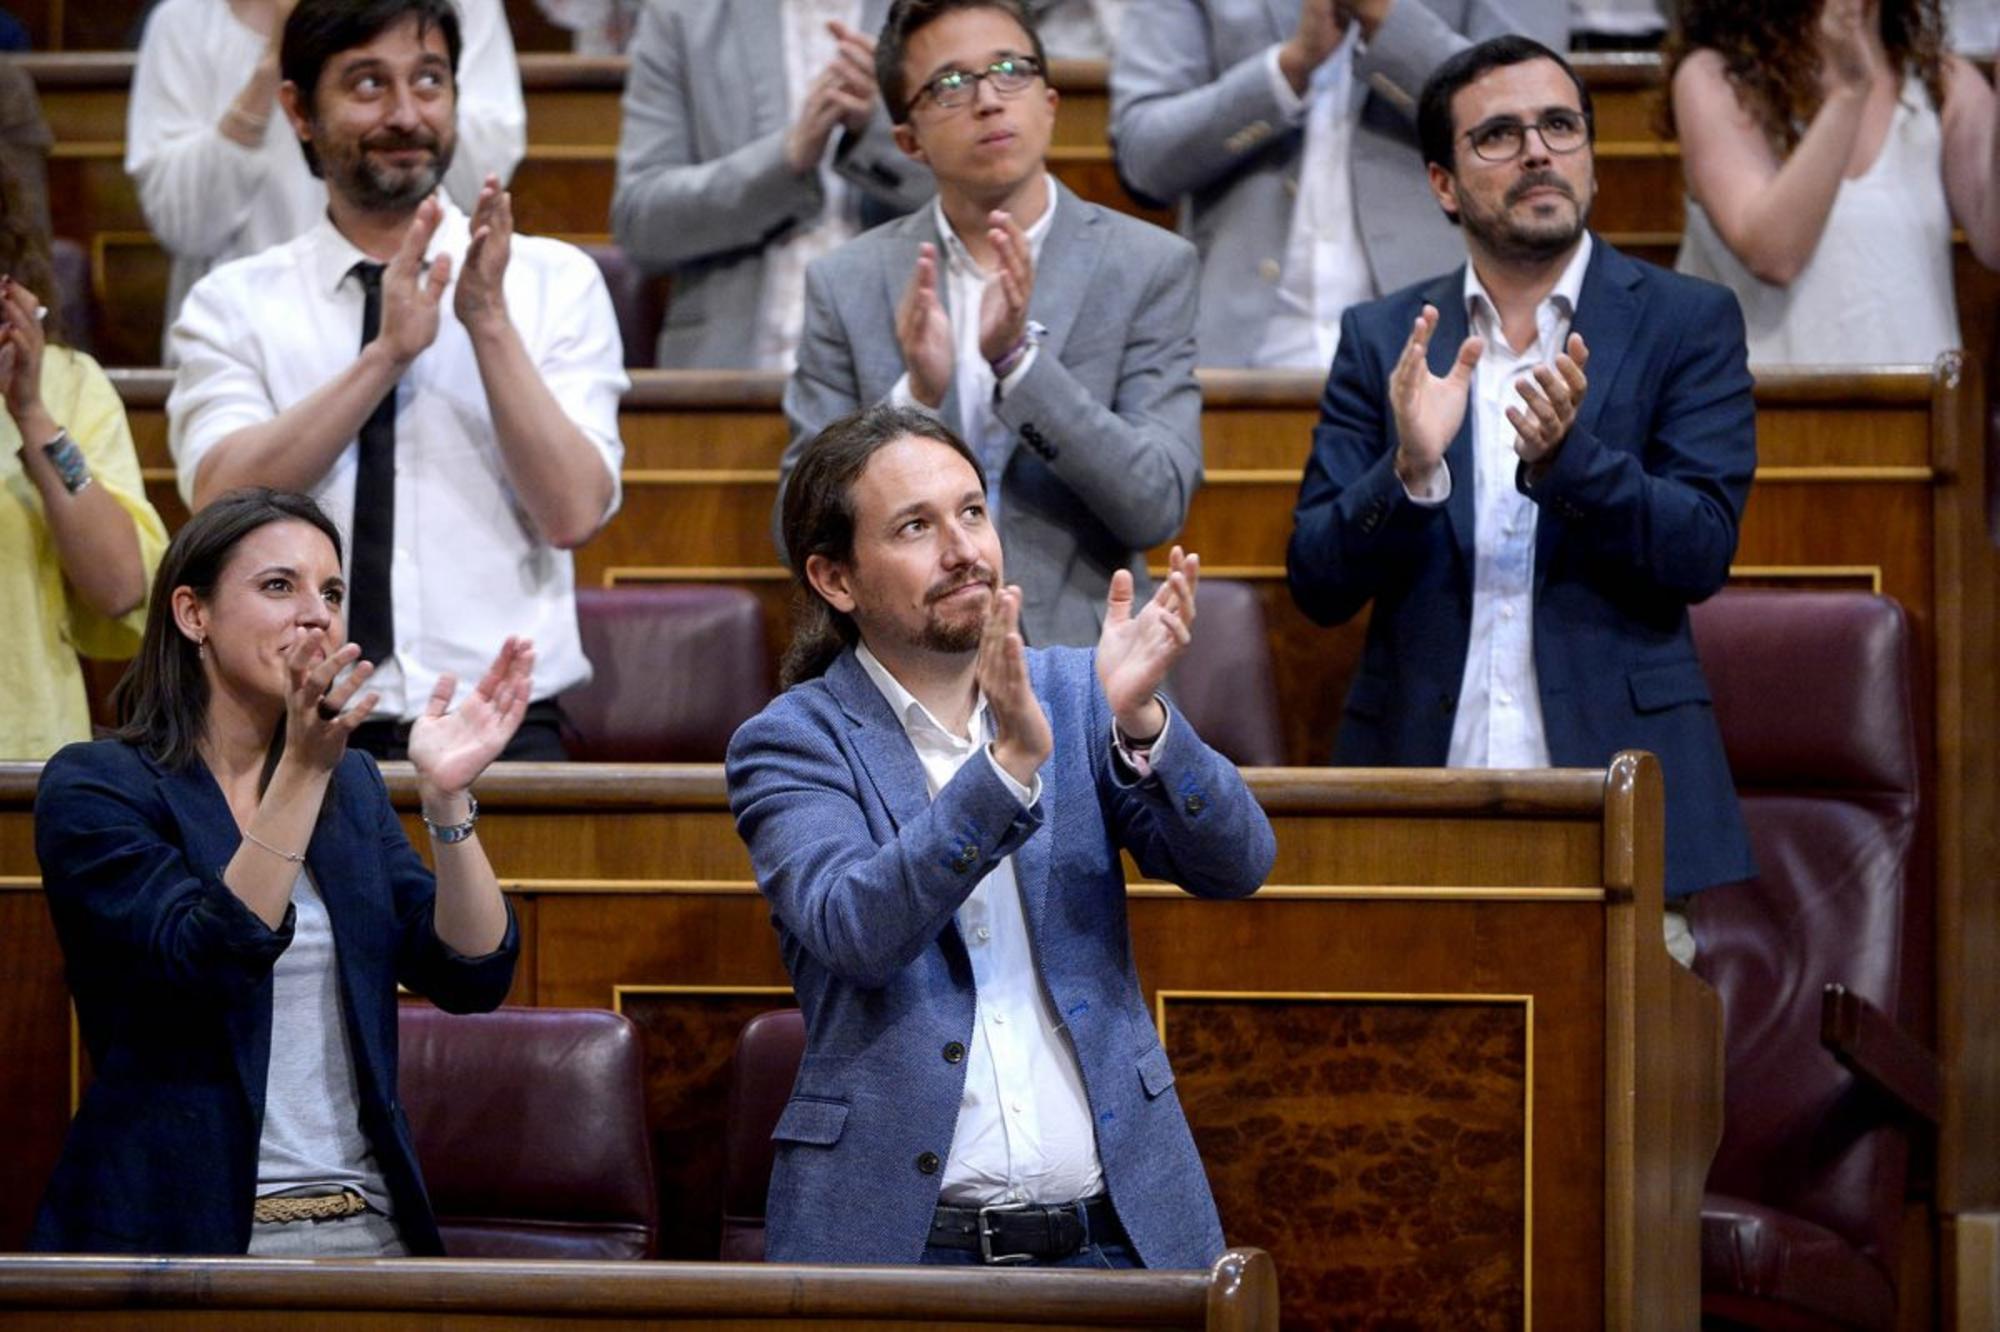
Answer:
(280, 1209)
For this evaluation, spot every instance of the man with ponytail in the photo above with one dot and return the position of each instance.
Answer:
(936, 814)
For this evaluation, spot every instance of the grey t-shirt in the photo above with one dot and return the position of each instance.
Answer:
(312, 1116)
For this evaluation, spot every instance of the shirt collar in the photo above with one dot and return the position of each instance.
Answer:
(1564, 296)
(910, 711)
(331, 256)
(960, 258)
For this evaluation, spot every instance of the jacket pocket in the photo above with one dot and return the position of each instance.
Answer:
(1155, 1073)
(818, 1123)
(1657, 688)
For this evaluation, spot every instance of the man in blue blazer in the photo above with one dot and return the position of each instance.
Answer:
(1530, 536)
(936, 815)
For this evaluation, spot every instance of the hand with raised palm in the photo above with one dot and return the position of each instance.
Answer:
(1135, 651)
(450, 746)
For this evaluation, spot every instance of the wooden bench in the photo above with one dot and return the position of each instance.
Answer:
(1237, 1294)
(1449, 1014)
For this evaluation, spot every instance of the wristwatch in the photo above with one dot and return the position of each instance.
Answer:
(67, 459)
(453, 833)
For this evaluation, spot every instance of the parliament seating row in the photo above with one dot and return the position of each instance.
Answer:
(1440, 1064)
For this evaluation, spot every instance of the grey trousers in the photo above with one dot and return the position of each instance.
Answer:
(366, 1235)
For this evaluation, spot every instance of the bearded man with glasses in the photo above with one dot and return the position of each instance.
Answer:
(1054, 336)
(1530, 467)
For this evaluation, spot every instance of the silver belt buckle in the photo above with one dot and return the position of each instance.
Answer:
(986, 1233)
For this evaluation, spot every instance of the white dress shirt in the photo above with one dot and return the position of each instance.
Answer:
(210, 199)
(978, 392)
(1498, 723)
(1326, 268)
(258, 335)
(1024, 1131)
(809, 49)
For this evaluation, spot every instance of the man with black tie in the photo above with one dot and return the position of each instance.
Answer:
(474, 439)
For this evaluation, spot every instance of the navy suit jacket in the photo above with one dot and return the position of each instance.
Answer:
(171, 974)
(1637, 519)
(864, 872)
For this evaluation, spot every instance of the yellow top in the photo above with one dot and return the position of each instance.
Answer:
(43, 624)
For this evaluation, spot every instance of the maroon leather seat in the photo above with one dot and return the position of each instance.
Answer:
(1224, 683)
(760, 1082)
(1822, 961)
(676, 668)
(638, 299)
(530, 1127)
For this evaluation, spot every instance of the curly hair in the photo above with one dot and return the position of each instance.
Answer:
(1770, 49)
(24, 251)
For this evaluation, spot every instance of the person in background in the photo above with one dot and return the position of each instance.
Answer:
(1285, 131)
(1830, 146)
(446, 388)
(218, 170)
(1078, 29)
(602, 27)
(237, 903)
(1616, 25)
(733, 184)
(78, 540)
(1055, 336)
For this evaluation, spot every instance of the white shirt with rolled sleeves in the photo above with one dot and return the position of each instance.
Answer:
(1498, 723)
(1024, 1130)
(259, 334)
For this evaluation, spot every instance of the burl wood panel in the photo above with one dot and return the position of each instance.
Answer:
(689, 1039)
(1377, 1149)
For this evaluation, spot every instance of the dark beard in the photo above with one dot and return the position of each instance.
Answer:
(375, 188)
(1518, 244)
(957, 635)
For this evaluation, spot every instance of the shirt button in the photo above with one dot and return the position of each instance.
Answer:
(1268, 270)
(1000, 1018)
(1506, 612)
(954, 1052)
(1194, 804)
(1016, 1107)
(1506, 699)
(982, 934)
(928, 1163)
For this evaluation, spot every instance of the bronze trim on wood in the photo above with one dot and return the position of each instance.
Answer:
(1812, 572)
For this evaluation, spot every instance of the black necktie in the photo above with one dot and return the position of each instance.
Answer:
(371, 615)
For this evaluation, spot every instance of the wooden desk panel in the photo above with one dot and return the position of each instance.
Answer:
(1422, 1030)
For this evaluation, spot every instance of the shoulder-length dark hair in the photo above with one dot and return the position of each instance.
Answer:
(818, 519)
(1770, 51)
(162, 701)
(24, 251)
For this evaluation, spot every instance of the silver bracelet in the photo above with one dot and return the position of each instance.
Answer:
(255, 840)
(67, 459)
(451, 834)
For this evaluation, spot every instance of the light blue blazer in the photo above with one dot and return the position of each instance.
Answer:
(864, 873)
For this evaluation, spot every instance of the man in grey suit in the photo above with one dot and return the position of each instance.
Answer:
(753, 141)
(1286, 130)
(1056, 337)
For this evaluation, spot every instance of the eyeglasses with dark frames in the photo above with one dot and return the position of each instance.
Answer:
(954, 88)
(1503, 140)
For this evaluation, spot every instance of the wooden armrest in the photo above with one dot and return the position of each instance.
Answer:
(1871, 1044)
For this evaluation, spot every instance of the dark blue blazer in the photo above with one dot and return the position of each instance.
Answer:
(864, 872)
(171, 974)
(1637, 519)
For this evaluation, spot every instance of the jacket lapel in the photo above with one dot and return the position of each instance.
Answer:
(1448, 295)
(1607, 315)
(879, 741)
(211, 839)
(1070, 255)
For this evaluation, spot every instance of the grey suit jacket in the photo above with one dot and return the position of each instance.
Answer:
(1194, 119)
(1109, 413)
(702, 184)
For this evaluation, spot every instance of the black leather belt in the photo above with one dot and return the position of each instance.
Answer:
(1023, 1232)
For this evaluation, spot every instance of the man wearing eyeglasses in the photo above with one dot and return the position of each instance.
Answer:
(1056, 337)
(1531, 466)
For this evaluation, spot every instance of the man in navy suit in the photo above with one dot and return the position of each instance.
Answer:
(936, 815)
(1531, 537)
